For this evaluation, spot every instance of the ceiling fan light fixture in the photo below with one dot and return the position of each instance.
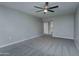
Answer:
(46, 8)
(45, 11)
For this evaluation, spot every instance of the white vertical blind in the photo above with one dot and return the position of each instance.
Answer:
(45, 27)
(51, 27)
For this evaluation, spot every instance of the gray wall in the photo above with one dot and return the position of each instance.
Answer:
(16, 26)
(77, 28)
(63, 26)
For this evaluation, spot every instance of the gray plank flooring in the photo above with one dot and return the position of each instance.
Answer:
(41, 46)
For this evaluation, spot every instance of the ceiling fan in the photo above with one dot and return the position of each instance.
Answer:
(45, 9)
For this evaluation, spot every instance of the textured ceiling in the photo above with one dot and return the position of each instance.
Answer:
(28, 7)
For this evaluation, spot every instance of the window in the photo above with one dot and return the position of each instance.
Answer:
(45, 27)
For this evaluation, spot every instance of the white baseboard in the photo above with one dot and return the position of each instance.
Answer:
(19, 41)
(63, 37)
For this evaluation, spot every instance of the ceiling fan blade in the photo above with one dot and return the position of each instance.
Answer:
(51, 10)
(38, 7)
(53, 7)
(39, 10)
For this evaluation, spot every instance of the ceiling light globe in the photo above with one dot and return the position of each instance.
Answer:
(45, 10)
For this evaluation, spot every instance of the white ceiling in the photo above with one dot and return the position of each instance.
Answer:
(28, 7)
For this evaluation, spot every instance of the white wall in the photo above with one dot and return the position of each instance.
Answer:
(16, 26)
(77, 28)
(63, 26)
